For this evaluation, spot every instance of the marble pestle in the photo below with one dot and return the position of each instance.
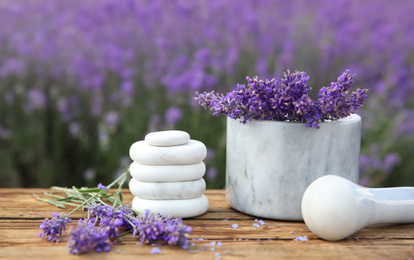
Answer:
(334, 208)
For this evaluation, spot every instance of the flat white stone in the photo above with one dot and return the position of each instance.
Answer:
(167, 138)
(187, 208)
(190, 153)
(167, 173)
(167, 190)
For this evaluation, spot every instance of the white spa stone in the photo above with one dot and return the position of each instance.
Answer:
(190, 153)
(167, 190)
(334, 208)
(187, 208)
(167, 138)
(167, 173)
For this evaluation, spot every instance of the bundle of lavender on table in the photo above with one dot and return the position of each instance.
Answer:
(107, 221)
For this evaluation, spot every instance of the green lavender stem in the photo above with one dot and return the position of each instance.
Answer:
(121, 179)
(75, 195)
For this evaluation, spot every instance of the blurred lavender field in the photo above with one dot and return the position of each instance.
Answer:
(80, 81)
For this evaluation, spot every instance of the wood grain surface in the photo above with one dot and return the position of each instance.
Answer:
(21, 214)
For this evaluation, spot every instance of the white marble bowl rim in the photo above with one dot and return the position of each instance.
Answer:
(346, 120)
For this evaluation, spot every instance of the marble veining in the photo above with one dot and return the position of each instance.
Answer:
(167, 190)
(185, 208)
(270, 164)
(190, 153)
(334, 208)
(167, 173)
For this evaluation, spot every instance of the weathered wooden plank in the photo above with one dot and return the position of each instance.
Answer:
(230, 250)
(275, 240)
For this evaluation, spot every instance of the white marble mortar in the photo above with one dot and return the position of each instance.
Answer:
(270, 164)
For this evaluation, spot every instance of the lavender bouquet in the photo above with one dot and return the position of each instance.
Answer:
(108, 221)
(286, 100)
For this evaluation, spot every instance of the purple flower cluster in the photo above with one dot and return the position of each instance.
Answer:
(335, 102)
(176, 232)
(107, 213)
(88, 236)
(101, 211)
(286, 100)
(151, 227)
(98, 232)
(54, 226)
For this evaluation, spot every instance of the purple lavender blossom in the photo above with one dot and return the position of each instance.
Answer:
(100, 211)
(101, 241)
(117, 216)
(36, 99)
(301, 238)
(54, 226)
(390, 161)
(112, 227)
(150, 227)
(102, 187)
(286, 100)
(155, 250)
(122, 212)
(111, 118)
(13, 66)
(87, 236)
(81, 240)
(173, 115)
(376, 164)
(176, 233)
(127, 87)
(335, 103)
(212, 173)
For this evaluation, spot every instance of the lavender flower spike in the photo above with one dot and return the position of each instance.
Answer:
(86, 237)
(176, 233)
(149, 227)
(53, 227)
(335, 102)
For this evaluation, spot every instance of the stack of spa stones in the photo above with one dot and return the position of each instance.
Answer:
(167, 174)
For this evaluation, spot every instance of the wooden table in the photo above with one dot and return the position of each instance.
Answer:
(21, 215)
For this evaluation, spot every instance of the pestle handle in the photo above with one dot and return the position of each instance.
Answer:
(393, 205)
(334, 208)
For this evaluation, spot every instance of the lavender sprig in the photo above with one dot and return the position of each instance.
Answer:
(105, 223)
(176, 233)
(81, 198)
(149, 227)
(152, 227)
(336, 103)
(87, 236)
(54, 226)
(286, 100)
